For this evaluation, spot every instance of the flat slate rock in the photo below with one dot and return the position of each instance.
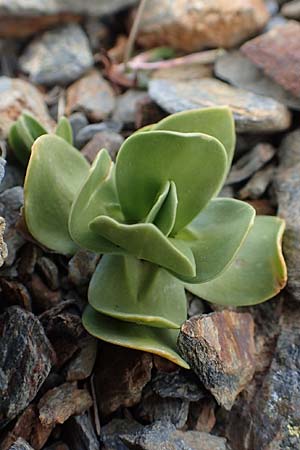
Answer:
(277, 52)
(80, 433)
(239, 71)
(253, 113)
(220, 349)
(26, 358)
(58, 56)
(165, 436)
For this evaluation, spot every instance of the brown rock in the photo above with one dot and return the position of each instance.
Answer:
(15, 293)
(122, 387)
(202, 415)
(19, 96)
(220, 349)
(60, 403)
(277, 52)
(192, 25)
(91, 95)
(43, 297)
(19, 27)
(81, 366)
(104, 139)
(22, 429)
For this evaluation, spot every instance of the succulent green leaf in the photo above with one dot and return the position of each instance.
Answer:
(161, 196)
(97, 196)
(64, 130)
(148, 160)
(166, 217)
(215, 121)
(55, 172)
(146, 241)
(216, 235)
(137, 291)
(160, 341)
(23, 134)
(257, 273)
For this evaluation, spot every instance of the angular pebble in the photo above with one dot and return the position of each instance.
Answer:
(122, 387)
(80, 433)
(26, 358)
(58, 56)
(239, 71)
(92, 95)
(277, 52)
(18, 96)
(109, 140)
(253, 113)
(126, 106)
(220, 349)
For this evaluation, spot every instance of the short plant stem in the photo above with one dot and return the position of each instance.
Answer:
(133, 32)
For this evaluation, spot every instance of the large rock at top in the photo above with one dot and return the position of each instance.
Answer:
(194, 24)
(40, 7)
(58, 56)
(253, 113)
(22, 18)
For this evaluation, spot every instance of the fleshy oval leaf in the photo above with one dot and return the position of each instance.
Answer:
(216, 121)
(146, 241)
(257, 273)
(64, 130)
(55, 172)
(97, 196)
(129, 289)
(216, 235)
(196, 163)
(160, 341)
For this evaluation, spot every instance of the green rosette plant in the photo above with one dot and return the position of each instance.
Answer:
(155, 217)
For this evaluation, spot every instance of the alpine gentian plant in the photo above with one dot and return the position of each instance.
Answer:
(155, 218)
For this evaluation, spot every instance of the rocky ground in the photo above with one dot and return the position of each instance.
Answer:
(60, 389)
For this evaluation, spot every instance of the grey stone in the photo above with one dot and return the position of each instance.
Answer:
(153, 407)
(2, 168)
(77, 121)
(110, 433)
(80, 434)
(287, 190)
(88, 132)
(81, 267)
(289, 150)
(165, 436)
(182, 384)
(126, 106)
(242, 73)
(253, 113)
(40, 8)
(21, 444)
(58, 56)
(267, 417)
(11, 202)
(25, 361)
(14, 176)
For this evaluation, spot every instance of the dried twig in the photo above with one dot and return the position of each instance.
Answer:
(133, 32)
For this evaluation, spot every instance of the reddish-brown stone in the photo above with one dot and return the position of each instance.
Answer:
(277, 52)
